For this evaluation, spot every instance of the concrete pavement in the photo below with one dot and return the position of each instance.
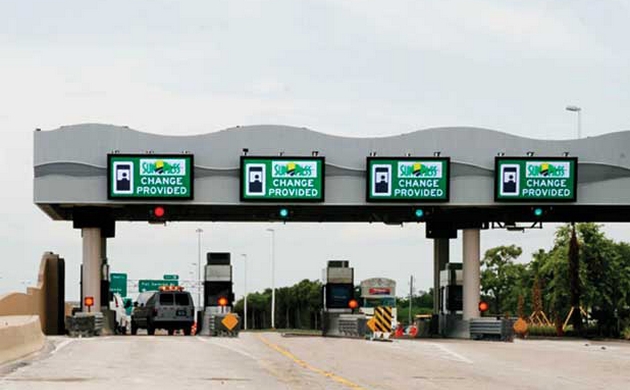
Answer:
(268, 361)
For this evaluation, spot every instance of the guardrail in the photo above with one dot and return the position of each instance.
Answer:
(492, 329)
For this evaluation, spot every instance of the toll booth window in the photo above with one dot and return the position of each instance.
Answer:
(376, 302)
(166, 299)
(337, 296)
(182, 300)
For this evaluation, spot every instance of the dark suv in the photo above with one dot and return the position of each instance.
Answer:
(170, 310)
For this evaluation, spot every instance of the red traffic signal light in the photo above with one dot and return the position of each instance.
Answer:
(353, 304)
(88, 301)
(159, 212)
(483, 306)
(223, 301)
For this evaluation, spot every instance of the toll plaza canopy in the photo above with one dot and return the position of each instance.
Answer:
(456, 175)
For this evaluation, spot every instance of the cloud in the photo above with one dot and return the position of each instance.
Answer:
(470, 26)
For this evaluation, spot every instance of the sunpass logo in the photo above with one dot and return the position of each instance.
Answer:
(539, 170)
(302, 169)
(411, 169)
(162, 167)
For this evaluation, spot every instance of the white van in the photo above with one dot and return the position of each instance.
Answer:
(122, 320)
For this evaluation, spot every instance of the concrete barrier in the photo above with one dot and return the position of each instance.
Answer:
(40, 300)
(19, 336)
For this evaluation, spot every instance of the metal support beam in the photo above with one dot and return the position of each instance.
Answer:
(471, 290)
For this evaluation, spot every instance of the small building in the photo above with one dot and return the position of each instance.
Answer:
(378, 292)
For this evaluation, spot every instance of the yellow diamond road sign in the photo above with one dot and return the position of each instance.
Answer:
(230, 321)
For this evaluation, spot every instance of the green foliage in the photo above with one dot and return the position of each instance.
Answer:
(603, 279)
(297, 307)
(421, 304)
(545, 331)
(501, 278)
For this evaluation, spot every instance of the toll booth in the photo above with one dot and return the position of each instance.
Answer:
(339, 303)
(451, 304)
(218, 297)
(217, 286)
(377, 292)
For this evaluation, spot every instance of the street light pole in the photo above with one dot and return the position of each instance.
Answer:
(410, 296)
(245, 287)
(199, 283)
(579, 118)
(273, 281)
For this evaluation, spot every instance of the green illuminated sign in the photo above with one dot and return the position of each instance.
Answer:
(154, 285)
(408, 179)
(118, 284)
(276, 179)
(535, 179)
(150, 176)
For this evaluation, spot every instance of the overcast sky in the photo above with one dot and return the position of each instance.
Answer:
(354, 68)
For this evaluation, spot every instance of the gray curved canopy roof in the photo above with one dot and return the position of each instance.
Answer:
(70, 162)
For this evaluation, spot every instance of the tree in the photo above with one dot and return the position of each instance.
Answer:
(501, 278)
(585, 269)
(297, 306)
(574, 281)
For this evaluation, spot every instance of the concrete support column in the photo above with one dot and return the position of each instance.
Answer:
(440, 258)
(472, 281)
(92, 264)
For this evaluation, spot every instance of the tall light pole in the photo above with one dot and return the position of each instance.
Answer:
(273, 281)
(410, 297)
(245, 288)
(579, 118)
(199, 283)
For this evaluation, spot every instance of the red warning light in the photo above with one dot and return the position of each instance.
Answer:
(89, 301)
(353, 304)
(483, 306)
(159, 211)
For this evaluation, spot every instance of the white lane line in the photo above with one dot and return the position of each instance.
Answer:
(62, 345)
(425, 348)
(452, 353)
(237, 350)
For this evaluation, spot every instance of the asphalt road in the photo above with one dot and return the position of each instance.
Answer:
(268, 361)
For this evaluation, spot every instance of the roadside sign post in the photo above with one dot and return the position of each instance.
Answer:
(118, 284)
(154, 285)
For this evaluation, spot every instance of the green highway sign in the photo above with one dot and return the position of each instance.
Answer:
(154, 285)
(408, 179)
(171, 277)
(535, 179)
(277, 179)
(150, 176)
(118, 284)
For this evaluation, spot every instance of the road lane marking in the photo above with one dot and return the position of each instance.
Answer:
(304, 364)
(425, 348)
(237, 350)
(62, 345)
(452, 353)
